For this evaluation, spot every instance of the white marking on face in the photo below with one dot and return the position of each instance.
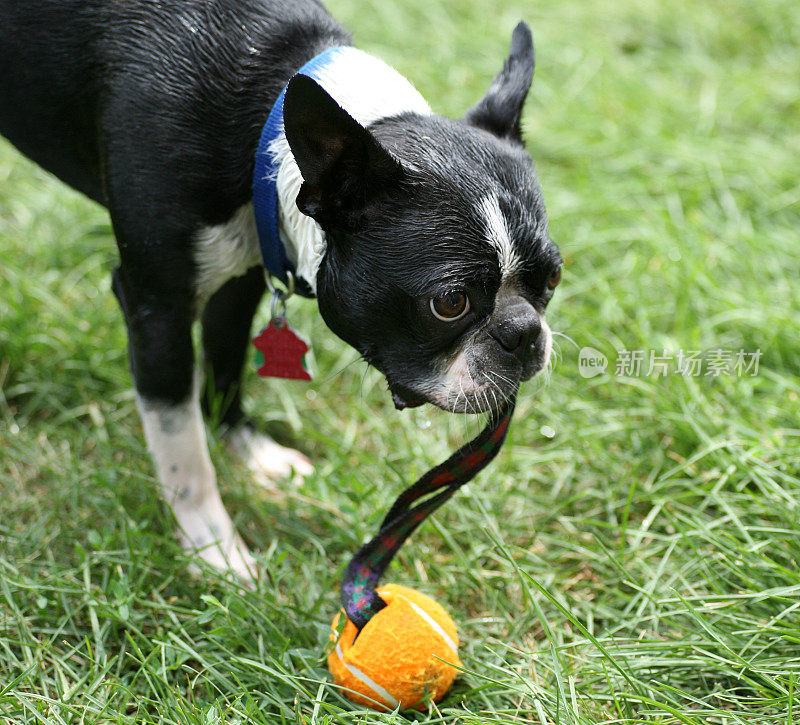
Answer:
(498, 236)
(176, 438)
(457, 390)
(460, 390)
(368, 89)
(548, 341)
(224, 251)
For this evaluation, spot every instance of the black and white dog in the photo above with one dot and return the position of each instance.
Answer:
(424, 239)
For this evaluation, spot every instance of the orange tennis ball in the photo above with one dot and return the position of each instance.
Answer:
(397, 658)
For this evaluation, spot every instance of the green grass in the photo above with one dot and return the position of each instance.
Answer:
(631, 557)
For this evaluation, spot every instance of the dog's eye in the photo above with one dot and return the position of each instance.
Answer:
(450, 307)
(552, 283)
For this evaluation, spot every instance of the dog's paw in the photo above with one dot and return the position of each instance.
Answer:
(268, 460)
(232, 557)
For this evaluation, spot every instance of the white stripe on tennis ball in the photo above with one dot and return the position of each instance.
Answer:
(433, 623)
(370, 683)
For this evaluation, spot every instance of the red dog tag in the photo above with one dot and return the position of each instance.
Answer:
(282, 352)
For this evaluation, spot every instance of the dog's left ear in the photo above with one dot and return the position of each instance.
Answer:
(499, 111)
(345, 170)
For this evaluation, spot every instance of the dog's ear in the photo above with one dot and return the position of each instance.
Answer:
(500, 109)
(345, 170)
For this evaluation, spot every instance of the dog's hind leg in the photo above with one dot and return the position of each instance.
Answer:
(167, 395)
(227, 321)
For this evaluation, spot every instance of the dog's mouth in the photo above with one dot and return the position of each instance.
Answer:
(473, 383)
(403, 397)
(487, 397)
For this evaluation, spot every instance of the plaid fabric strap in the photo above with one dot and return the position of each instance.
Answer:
(359, 598)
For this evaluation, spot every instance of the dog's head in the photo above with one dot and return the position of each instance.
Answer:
(438, 267)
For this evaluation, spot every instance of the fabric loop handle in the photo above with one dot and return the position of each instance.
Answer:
(359, 597)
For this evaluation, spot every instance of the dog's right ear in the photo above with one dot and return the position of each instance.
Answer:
(345, 170)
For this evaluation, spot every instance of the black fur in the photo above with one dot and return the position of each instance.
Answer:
(154, 109)
(500, 110)
(426, 236)
(345, 170)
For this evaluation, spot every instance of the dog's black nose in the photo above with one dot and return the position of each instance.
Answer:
(516, 327)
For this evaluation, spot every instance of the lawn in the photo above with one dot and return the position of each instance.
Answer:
(633, 555)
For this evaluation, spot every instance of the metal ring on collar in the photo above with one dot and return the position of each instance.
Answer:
(279, 296)
(283, 294)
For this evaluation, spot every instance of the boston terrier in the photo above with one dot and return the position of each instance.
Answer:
(423, 239)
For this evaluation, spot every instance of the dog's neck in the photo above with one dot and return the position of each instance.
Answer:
(369, 90)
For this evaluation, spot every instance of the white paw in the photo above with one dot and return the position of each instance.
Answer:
(206, 530)
(227, 557)
(234, 558)
(266, 458)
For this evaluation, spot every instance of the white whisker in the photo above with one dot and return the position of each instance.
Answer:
(566, 337)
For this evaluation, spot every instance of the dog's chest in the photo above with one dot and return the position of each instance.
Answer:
(224, 251)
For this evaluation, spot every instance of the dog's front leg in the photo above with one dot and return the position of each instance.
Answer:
(167, 394)
(227, 322)
(176, 438)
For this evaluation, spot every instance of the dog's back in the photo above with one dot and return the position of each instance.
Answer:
(49, 100)
(73, 75)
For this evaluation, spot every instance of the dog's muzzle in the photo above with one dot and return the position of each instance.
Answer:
(516, 326)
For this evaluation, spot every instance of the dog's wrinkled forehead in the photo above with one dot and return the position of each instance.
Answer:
(469, 192)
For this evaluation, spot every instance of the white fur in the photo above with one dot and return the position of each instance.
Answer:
(368, 89)
(498, 236)
(225, 250)
(266, 458)
(460, 390)
(548, 341)
(176, 438)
